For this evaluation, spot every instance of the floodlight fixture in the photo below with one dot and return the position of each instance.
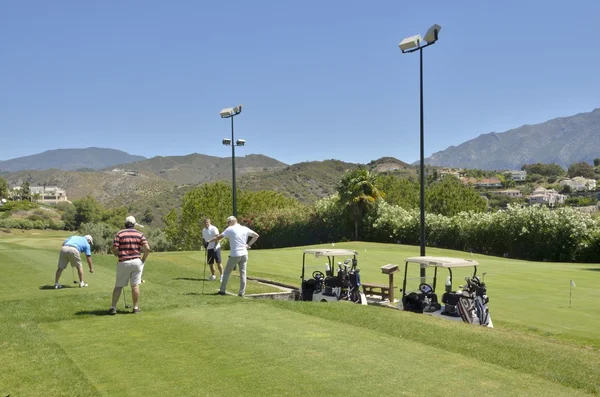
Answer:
(226, 141)
(240, 142)
(230, 112)
(410, 43)
(432, 34)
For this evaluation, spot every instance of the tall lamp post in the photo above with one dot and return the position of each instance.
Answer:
(408, 45)
(229, 113)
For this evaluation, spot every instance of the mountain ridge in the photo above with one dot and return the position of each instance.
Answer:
(561, 140)
(69, 159)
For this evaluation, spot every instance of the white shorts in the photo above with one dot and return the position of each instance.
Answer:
(129, 271)
(67, 255)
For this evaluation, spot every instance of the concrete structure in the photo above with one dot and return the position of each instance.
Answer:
(486, 182)
(518, 176)
(510, 193)
(579, 183)
(47, 194)
(549, 197)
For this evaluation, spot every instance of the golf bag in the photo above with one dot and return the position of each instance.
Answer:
(472, 303)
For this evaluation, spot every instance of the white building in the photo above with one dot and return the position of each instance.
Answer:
(549, 197)
(579, 183)
(510, 193)
(518, 176)
(47, 194)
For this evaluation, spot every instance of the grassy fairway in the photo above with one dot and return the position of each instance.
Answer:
(59, 342)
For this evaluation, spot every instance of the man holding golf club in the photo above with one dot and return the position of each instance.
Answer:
(238, 256)
(128, 245)
(70, 253)
(213, 249)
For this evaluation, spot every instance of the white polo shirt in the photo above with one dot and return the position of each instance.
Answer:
(238, 238)
(208, 233)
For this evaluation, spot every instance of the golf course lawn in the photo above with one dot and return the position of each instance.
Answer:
(189, 343)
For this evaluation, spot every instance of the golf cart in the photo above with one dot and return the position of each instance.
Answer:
(330, 285)
(468, 303)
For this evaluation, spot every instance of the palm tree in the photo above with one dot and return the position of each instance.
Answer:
(357, 193)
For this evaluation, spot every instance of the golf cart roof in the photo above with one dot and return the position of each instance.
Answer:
(440, 261)
(329, 252)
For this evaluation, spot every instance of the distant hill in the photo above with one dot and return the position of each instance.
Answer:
(159, 183)
(69, 159)
(307, 182)
(199, 168)
(564, 141)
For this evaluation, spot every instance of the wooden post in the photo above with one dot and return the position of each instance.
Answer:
(390, 269)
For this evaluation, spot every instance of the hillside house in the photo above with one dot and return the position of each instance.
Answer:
(579, 183)
(445, 172)
(491, 182)
(510, 193)
(518, 176)
(549, 197)
(47, 194)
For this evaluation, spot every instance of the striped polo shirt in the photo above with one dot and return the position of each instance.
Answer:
(128, 243)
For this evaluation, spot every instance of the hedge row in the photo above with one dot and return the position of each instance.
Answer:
(28, 224)
(532, 233)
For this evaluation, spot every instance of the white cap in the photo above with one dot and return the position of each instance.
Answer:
(131, 220)
(231, 218)
(89, 238)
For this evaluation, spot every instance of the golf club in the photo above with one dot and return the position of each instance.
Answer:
(73, 272)
(204, 275)
(125, 299)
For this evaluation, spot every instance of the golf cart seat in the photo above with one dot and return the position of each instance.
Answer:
(450, 301)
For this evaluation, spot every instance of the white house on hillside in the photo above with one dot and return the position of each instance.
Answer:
(549, 197)
(518, 176)
(510, 193)
(47, 194)
(579, 183)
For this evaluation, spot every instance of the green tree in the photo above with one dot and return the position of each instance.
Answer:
(173, 232)
(3, 188)
(358, 191)
(87, 210)
(597, 162)
(148, 216)
(450, 196)
(25, 191)
(399, 191)
(552, 169)
(506, 180)
(581, 169)
(114, 216)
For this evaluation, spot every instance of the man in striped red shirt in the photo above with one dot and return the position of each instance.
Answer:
(129, 245)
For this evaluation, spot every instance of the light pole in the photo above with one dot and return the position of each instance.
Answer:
(226, 114)
(408, 45)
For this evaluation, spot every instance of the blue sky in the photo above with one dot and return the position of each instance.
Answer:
(318, 79)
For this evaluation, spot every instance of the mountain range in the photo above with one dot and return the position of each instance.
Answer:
(564, 141)
(92, 158)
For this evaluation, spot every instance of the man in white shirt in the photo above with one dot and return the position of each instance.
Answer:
(239, 245)
(213, 248)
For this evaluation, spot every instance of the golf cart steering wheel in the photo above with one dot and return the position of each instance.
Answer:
(317, 274)
(425, 288)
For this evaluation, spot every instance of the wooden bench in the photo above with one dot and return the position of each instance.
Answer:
(377, 290)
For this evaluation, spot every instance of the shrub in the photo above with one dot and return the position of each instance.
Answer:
(102, 233)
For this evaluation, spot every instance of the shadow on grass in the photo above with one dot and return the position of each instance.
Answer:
(51, 287)
(593, 269)
(201, 294)
(190, 279)
(103, 312)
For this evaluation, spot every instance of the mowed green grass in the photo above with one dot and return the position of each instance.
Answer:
(60, 342)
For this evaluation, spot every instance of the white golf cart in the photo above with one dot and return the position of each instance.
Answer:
(468, 303)
(322, 283)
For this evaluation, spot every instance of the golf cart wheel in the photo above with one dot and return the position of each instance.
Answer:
(323, 300)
